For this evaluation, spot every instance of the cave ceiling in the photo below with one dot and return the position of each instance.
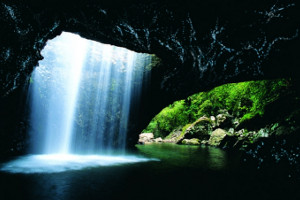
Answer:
(202, 44)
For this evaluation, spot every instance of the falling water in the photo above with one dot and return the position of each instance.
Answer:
(81, 95)
(80, 101)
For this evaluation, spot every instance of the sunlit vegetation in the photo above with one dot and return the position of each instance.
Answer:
(244, 100)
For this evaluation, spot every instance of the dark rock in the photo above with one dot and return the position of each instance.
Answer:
(275, 153)
(230, 142)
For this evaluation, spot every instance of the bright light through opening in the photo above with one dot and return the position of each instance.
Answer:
(72, 93)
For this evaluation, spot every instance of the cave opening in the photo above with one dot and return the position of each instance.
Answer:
(79, 102)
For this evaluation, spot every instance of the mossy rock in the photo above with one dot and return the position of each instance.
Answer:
(193, 141)
(200, 129)
(216, 137)
(174, 137)
(174, 134)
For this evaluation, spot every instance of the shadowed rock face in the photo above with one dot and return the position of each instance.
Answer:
(202, 44)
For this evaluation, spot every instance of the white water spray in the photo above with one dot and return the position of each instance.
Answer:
(80, 100)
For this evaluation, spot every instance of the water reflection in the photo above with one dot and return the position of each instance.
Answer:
(217, 158)
(186, 156)
(184, 172)
(53, 163)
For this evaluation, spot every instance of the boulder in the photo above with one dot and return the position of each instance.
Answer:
(158, 140)
(145, 138)
(216, 137)
(170, 141)
(200, 129)
(193, 141)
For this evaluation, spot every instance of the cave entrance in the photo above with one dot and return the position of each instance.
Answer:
(81, 96)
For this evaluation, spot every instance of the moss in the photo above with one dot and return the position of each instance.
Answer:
(200, 129)
(193, 141)
(246, 117)
(216, 137)
(245, 101)
(184, 129)
(169, 136)
(174, 133)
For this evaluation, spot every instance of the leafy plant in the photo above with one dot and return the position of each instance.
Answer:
(244, 100)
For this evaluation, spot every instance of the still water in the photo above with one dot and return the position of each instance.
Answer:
(171, 172)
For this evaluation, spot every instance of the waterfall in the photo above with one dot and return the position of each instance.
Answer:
(80, 99)
(81, 96)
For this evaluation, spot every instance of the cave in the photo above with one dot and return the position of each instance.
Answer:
(195, 46)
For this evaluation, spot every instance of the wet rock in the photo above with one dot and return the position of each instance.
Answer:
(216, 137)
(193, 141)
(277, 152)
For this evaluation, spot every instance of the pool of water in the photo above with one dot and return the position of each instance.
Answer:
(55, 163)
(171, 172)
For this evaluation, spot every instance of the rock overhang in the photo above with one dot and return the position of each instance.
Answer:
(201, 44)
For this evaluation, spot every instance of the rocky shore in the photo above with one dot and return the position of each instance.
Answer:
(226, 131)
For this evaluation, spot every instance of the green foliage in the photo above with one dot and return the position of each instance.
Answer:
(244, 100)
(170, 117)
(247, 116)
